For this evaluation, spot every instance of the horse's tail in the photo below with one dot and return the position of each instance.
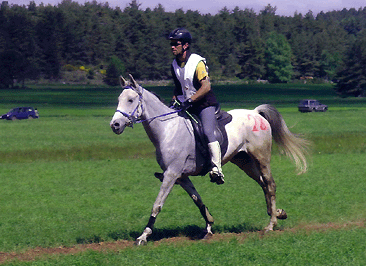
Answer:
(292, 145)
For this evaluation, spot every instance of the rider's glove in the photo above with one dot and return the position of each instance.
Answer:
(186, 104)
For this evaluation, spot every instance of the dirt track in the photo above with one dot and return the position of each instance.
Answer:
(35, 253)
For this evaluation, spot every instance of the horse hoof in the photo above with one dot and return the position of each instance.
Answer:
(140, 242)
(267, 230)
(207, 235)
(281, 214)
(216, 178)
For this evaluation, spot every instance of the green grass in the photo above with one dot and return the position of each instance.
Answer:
(66, 203)
(302, 248)
(66, 179)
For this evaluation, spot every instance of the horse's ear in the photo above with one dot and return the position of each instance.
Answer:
(133, 81)
(123, 82)
(135, 85)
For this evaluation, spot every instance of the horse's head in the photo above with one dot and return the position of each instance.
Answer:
(129, 107)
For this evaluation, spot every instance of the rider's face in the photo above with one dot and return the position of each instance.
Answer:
(177, 47)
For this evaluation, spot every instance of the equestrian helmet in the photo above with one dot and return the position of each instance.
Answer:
(181, 34)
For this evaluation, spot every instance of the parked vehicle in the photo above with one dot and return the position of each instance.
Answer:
(21, 113)
(312, 106)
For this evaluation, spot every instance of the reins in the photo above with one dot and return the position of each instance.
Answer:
(136, 120)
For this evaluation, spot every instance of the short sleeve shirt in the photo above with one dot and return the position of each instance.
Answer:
(201, 71)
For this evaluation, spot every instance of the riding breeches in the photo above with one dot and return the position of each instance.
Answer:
(207, 117)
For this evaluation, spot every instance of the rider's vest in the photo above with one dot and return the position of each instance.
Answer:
(185, 74)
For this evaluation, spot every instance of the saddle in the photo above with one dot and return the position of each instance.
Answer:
(222, 118)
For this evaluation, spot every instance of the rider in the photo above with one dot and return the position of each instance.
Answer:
(190, 75)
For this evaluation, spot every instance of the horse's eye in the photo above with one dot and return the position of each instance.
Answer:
(130, 101)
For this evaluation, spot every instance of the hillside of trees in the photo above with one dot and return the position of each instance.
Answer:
(51, 42)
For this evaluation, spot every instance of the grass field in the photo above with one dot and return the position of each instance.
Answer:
(67, 181)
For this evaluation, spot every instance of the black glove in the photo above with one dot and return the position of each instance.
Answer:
(186, 104)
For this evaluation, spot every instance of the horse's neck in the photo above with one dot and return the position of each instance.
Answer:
(157, 121)
(153, 107)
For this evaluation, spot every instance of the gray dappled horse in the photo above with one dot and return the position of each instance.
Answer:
(249, 134)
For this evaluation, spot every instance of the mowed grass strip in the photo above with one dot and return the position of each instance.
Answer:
(57, 138)
(79, 153)
(70, 138)
(346, 143)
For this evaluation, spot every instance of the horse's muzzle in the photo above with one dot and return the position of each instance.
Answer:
(117, 127)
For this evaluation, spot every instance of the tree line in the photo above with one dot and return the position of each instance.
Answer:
(45, 41)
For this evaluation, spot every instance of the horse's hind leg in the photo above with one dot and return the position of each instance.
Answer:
(188, 186)
(261, 173)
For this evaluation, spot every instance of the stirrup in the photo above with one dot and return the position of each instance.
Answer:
(217, 176)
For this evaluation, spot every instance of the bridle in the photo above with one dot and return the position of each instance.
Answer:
(134, 118)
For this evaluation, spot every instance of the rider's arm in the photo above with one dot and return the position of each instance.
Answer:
(204, 81)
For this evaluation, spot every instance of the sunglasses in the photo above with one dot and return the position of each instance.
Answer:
(175, 44)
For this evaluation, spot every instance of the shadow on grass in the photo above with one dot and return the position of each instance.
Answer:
(192, 232)
(195, 232)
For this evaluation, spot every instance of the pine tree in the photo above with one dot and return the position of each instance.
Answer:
(352, 76)
(278, 58)
(114, 70)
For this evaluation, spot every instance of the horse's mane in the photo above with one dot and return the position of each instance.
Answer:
(158, 96)
(153, 93)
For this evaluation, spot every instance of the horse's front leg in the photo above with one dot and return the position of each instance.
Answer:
(166, 187)
(188, 186)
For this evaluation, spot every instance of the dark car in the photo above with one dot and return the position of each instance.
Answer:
(312, 106)
(21, 113)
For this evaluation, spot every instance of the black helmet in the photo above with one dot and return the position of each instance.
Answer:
(181, 34)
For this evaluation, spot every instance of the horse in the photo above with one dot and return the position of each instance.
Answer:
(249, 133)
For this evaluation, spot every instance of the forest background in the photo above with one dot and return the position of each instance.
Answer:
(74, 43)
